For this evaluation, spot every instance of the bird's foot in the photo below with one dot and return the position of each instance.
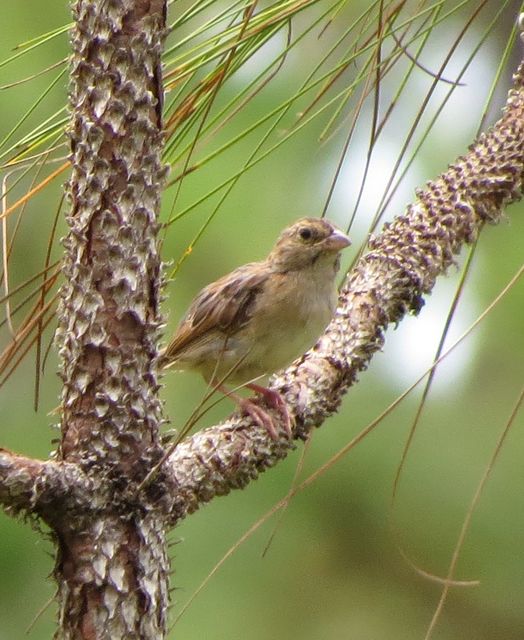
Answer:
(275, 401)
(259, 416)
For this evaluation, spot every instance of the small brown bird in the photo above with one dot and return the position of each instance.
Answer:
(261, 316)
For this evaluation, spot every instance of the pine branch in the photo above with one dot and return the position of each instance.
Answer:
(388, 282)
(36, 487)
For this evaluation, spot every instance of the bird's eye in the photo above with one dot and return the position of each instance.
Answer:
(305, 233)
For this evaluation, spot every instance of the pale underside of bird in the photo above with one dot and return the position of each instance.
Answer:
(260, 317)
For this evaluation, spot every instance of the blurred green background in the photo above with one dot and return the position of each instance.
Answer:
(335, 568)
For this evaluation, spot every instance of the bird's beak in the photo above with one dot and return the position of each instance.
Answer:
(337, 241)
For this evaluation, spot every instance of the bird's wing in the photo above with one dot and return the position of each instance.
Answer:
(224, 306)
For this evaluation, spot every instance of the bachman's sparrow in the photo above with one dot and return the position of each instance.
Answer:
(261, 316)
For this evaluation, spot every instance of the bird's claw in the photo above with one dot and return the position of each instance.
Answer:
(259, 416)
(275, 401)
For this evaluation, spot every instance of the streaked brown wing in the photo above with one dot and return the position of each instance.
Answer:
(225, 306)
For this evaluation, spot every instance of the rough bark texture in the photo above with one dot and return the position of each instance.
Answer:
(42, 488)
(112, 566)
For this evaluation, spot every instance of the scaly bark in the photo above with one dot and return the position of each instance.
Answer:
(112, 567)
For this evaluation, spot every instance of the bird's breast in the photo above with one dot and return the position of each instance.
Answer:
(299, 313)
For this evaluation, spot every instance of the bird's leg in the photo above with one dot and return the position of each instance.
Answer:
(258, 414)
(275, 400)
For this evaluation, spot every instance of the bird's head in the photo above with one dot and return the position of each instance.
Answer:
(306, 242)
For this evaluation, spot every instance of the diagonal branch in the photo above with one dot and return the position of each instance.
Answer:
(388, 282)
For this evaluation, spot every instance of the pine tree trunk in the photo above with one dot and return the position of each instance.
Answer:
(112, 567)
